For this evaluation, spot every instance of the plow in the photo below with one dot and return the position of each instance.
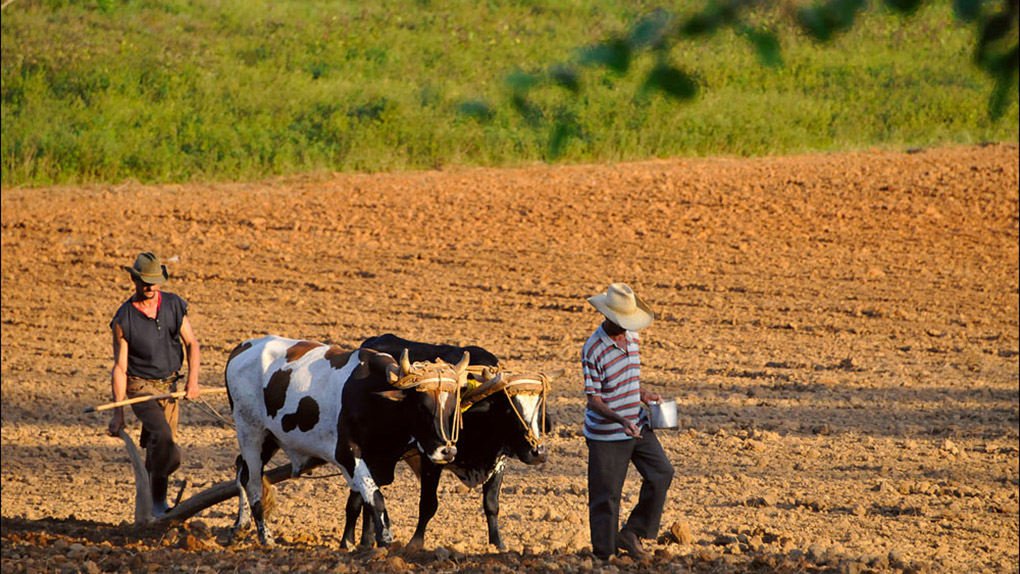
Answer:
(186, 508)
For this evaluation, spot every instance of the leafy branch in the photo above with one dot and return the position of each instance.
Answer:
(995, 51)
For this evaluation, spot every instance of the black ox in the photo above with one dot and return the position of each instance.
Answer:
(506, 417)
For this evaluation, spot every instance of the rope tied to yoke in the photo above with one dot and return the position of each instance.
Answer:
(435, 379)
(513, 384)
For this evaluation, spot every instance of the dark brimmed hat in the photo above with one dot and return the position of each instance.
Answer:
(148, 269)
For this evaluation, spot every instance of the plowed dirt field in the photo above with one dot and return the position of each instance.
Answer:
(840, 331)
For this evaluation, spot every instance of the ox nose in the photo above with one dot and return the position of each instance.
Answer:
(539, 453)
(447, 454)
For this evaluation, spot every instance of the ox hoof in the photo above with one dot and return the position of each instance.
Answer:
(237, 536)
(267, 540)
(159, 509)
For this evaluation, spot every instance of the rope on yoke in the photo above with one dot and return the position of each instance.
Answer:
(512, 385)
(436, 378)
(528, 385)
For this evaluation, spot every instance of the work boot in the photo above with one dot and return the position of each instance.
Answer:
(159, 488)
(631, 544)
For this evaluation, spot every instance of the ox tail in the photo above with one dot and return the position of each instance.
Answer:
(268, 497)
(234, 353)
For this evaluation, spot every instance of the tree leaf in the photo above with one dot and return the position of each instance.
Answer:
(904, 6)
(842, 13)
(823, 20)
(565, 77)
(813, 22)
(613, 54)
(520, 81)
(702, 24)
(766, 45)
(558, 139)
(531, 113)
(476, 109)
(994, 28)
(1003, 94)
(673, 82)
(650, 30)
(967, 10)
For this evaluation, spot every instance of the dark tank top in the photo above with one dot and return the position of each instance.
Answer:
(154, 345)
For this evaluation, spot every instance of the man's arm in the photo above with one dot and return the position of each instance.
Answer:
(599, 407)
(194, 358)
(118, 378)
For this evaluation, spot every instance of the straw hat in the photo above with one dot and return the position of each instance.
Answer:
(621, 305)
(148, 269)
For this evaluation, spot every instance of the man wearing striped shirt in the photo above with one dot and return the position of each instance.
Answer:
(616, 427)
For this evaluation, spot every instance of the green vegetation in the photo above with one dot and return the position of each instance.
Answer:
(107, 90)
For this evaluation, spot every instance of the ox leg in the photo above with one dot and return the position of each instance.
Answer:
(428, 501)
(370, 493)
(250, 479)
(355, 504)
(490, 504)
(361, 481)
(367, 527)
(381, 519)
(243, 522)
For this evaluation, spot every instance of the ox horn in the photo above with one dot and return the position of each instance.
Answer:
(464, 360)
(405, 363)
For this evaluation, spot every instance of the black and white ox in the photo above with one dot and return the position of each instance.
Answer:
(357, 410)
(504, 417)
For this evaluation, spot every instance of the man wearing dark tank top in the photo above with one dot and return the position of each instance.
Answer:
(151, 332)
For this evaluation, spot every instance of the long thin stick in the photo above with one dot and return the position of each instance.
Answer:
(142, 399)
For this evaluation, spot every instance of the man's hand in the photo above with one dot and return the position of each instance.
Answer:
(649, 397)
(631, 430)
(192, 390)
(596, 404)
(116, 422)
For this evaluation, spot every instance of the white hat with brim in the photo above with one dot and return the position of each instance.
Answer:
(148, 269)
(621, 305)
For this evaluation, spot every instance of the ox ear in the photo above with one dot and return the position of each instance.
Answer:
(479, 407)
(405, 362)
(394, 395)
(554, 375)
(393, 374)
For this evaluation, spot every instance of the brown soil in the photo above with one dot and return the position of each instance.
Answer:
(840, 330)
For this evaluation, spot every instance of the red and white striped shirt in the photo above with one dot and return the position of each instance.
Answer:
(613, 373)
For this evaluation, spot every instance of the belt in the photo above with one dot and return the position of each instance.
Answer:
(160, 383)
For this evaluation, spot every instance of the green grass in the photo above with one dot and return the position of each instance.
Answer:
(109, 90)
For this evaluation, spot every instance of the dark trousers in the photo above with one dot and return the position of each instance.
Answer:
(607, 470)
(159, 427)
